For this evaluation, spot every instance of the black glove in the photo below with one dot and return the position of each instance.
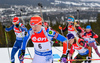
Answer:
(23, 52)
(65, 55)
(21, 57)
(72, 23)
(63, 58)
(4, 26)
(17, 25)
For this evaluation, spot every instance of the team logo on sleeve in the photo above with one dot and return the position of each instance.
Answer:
(50, 32)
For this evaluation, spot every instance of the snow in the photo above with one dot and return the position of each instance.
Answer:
(4, 57)
(89, 3)
(91, 0)
(1, 9)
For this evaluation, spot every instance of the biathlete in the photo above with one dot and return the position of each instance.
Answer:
(40, 38)
(82, 47)
(19, 30)
(90, 36)
(72, 27)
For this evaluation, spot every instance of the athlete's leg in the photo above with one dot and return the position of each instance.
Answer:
(96, 49)
(13, 52)
(19, 47)
(90, 51)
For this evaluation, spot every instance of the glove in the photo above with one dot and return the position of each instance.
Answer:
(4, 26)
(73, 28)
(72, 23)
(17, 25)
(56, 41)
(21, 57)
(60, 27)
(63, 59)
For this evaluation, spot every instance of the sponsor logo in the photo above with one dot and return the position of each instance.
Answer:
(39, 39)
(35, 20)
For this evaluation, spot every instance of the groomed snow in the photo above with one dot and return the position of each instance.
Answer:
(4, 57)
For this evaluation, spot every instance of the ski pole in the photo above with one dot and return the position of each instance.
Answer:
(68, 60)
(40, 7)
(21, 34)
(61, 33)
(80, 59)
(7, 46)
(97, 42)
(59, 43)
(27, 48)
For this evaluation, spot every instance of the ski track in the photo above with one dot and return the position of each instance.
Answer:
(4, 57)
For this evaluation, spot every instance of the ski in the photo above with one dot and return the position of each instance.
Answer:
(80, 59)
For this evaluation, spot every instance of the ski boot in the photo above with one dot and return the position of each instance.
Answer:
(88, 61)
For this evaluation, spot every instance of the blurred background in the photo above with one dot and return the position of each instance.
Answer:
(55, 12)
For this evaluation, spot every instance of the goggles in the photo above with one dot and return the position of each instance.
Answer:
(70, 19)
(35, 25)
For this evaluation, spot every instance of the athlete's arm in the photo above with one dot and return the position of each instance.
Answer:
(55, 35)
(61, 38)
(94, 35)
(85, 35)
(83, 43)
(10, 28)
(79, 29)
(65, 29)
(64, 48)
(26, 39)
(71, 52)
(23, 28)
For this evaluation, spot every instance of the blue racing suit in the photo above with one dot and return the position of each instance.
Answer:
(20, 34)
(42, 45)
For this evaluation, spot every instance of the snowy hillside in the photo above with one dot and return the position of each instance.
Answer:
(57, 52)
(87, 3)
(53, 2)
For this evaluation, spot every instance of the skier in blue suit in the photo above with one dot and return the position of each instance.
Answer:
(19, 30)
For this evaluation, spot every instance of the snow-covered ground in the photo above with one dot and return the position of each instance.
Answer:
(57, 52)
